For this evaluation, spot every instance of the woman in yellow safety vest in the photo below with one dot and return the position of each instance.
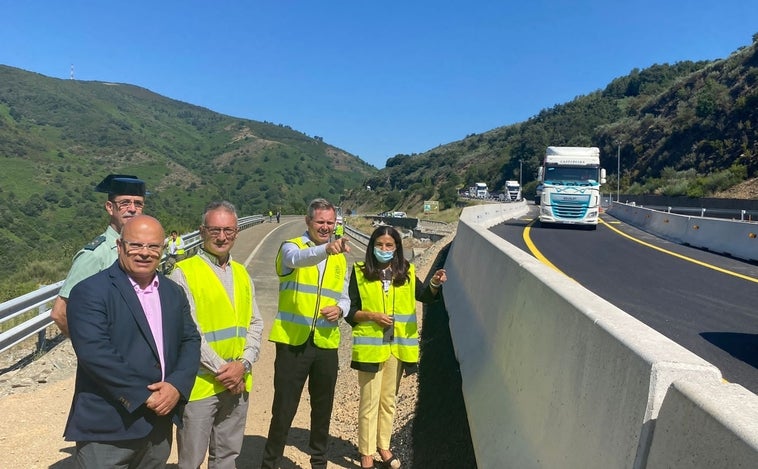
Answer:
(383, 292)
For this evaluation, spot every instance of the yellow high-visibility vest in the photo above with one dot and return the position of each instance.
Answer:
(223, 324)
(177, 242)
(301, 297)
(369, 345)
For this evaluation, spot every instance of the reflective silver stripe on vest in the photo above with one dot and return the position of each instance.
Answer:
(304, 321)
(368, 341)
(325, 323)
(408, 342)
(303, 288)
(223, 334)
(293, 286)
(326, 292)
(405, 317)
(335, 295)
(379, 341)
(283, 286)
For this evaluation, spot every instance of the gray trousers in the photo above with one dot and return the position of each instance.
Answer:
(214, 426)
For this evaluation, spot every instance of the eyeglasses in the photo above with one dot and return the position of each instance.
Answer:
(124, 204)
(132, 248)
(216, 231)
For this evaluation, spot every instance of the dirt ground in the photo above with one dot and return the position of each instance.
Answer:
(35, 394)
(745, 190)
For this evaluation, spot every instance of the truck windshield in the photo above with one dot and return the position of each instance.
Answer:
(574, 175)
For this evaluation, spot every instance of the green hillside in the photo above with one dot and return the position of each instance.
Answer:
(59, 138)
(687, 129)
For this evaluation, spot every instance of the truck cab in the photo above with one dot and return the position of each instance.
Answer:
(481, 190)
(571, 179)
(512, 191)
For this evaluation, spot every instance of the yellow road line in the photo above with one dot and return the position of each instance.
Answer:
(680, 256)
(536, 252)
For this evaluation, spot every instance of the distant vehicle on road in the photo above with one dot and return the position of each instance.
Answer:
(513, 190)
(392, 214)
(571, 179)
(481, 190)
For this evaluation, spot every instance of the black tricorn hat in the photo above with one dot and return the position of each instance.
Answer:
(122, 184)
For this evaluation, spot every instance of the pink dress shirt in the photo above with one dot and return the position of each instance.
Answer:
(151, 305)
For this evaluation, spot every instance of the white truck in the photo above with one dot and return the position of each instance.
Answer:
(481, 191)
(570, 178)
(512, 191)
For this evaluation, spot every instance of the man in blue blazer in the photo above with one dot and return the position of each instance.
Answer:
(138, 353)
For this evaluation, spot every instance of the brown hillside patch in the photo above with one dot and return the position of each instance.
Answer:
(744, 190)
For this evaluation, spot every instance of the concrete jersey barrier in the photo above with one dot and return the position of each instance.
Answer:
(706, 426)
(553, 375)
(731, 237)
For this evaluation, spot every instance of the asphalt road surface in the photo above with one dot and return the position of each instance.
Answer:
(701, 300)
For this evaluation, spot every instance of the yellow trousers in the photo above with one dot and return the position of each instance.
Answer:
(377, 406)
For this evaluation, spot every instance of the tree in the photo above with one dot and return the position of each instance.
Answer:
(448, 194)
(392, 199)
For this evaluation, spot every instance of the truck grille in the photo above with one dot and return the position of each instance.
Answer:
(569, 207)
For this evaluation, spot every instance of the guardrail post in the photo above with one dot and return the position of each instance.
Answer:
(742, 215)
(45, 294)
(41, 335)
(702, 212)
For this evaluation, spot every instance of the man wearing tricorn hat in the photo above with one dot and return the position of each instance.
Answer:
(126, 199)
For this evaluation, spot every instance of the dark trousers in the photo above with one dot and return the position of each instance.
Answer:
(292, 366)
(144, 453)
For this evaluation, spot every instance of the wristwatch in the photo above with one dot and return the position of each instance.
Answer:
(246, 364)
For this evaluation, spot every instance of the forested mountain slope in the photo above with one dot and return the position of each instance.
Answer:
(59, 138)
(688, 129)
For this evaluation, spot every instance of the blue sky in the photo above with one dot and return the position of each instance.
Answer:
(373, 78)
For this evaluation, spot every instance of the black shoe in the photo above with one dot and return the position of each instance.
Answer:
(391, 463)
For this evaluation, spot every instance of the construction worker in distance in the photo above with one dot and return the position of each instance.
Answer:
(339, 229)
(174, 252)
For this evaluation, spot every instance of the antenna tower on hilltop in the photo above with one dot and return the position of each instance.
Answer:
(72, 72)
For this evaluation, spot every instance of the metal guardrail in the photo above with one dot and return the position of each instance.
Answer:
(17, 306)
(363, 239)
(42, 298)
(726, 214)
(356, 235)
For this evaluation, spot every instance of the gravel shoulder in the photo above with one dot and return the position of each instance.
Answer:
(36, 392)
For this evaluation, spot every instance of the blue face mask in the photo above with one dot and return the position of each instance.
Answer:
(383, 256)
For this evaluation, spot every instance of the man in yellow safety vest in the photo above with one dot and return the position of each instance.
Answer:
(222, 302)
(313, 280)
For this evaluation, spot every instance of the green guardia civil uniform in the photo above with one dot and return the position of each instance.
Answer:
(96, 256)
(102, 251)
